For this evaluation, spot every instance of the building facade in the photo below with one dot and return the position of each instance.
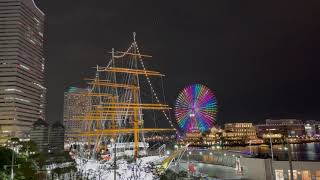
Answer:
(39, 134)
(56, 137)
(22, 91)
(239, 133)
(278, 129)
(312, 128)
(75, 104)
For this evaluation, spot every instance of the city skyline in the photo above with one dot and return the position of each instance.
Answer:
(261, 66)
(159, 90)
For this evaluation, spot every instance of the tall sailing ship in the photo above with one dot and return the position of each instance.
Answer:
(114, 121)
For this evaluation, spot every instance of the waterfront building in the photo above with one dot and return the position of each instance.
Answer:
(281, 128)
(75, 104)
(56, 137)
(240, 133)
(22, 91)
(312, 128)
(39, 134)
(193, 138)
(213, 137)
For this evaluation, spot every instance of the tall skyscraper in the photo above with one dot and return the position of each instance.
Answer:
(75, 104)
(22, 91)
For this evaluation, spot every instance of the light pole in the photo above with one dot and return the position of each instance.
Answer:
(12, 160)
(115, 158)
(271, 143)
(289, 156)
(271, 153)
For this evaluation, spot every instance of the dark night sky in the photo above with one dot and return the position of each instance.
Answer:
(260, 58)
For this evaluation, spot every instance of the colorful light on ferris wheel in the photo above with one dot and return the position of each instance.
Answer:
(196, 108)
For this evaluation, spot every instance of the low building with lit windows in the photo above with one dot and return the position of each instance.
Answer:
(312, 128)
(212, 137)
(240, 133)
(280, 129)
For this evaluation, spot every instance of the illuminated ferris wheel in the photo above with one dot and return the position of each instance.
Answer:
(196, 109)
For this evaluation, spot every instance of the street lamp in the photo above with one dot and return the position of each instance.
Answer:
(48, 173)
(115, 158)
(12, 159)
(176, 146)
(271, 142)
(271, 149)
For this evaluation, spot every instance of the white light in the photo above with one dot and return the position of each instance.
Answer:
(32, 41)
(192, 115)
(12, 89)
(39, 85)
(24, 67)
(168, 152)
(20, 99)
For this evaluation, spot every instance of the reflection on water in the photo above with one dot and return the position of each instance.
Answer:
(301, 152)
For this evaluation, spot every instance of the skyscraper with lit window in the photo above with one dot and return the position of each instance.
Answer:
(75, 104)
(22, 91)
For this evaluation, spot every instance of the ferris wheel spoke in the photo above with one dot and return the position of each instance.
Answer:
(196, 107)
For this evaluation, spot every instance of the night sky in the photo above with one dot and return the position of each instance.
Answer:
(260, 58)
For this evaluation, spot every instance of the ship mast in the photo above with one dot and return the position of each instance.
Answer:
(119, 101)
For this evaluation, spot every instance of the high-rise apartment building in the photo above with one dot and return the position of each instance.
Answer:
(22, 91)
(75, 104)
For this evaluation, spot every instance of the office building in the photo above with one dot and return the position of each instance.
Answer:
(56, 137)
(75, 104)
(22, 63)
(39, 134)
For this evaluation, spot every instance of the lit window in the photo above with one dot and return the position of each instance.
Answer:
(295, 175)
(24, 67)
(12, 89)
(306, 175)
(279, 174)
(318, 175)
